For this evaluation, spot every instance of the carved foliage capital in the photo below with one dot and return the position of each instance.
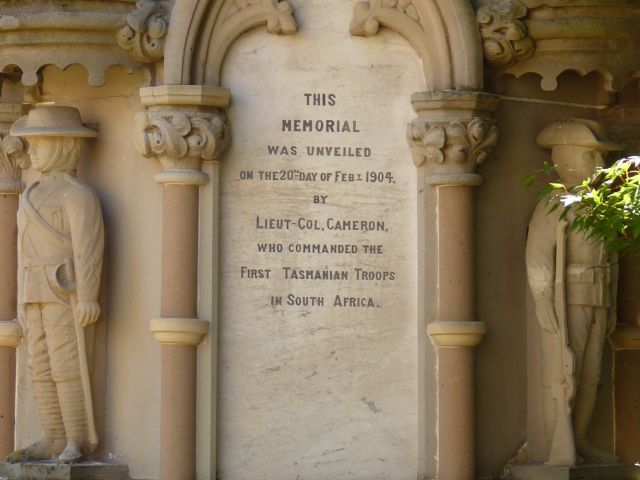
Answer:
(453, 146)
(181, 139)
(145, 32)
(504, 36)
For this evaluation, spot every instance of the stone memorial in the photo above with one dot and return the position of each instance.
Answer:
(317, 261)
(301, 229)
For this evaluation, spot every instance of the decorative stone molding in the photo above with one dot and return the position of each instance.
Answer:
(10, 334)
(438, 30)
(13, 155)
(456, 334)
(145, 32)
(179, 331)
(504, 36)
(453, 132)
(87, 32)
(200, 36)
(183, 126)
(577, 35)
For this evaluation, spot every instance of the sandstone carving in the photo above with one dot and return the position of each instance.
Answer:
(13, 159)
(38, 33)
(573, 281)
(435, 29)
(229, 22)
(60, 249)
(145, 32)
(467, 142)
(176, 136)
(583, 36)
(504, 36)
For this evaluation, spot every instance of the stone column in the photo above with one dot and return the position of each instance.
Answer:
(183, 126)
(452, 134)
(12, 160)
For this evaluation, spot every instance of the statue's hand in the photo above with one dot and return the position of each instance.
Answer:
(547, 316)
(88, 313)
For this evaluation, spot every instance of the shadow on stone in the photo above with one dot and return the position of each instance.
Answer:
(583, 472)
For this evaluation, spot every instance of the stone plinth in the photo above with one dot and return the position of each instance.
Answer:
(584, 472)
(55, 471)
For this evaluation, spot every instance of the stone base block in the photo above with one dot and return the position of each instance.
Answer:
(583, 472)
(55, 471)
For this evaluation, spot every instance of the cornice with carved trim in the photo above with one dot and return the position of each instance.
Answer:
(94, 34)
(549, 37)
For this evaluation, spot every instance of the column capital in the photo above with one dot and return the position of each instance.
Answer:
(183, 125)
(13, 155)
(454, 132)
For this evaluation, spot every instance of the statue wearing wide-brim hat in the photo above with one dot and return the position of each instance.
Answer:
(60, 250)
(52, 121)
(579, 132)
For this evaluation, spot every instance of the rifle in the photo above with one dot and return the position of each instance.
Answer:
(563, 447)
(84, 375)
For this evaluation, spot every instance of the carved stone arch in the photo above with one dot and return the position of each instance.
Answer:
(444, 34)
(202, 31)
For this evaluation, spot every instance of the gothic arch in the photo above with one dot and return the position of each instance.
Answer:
(444, 34)
(202, 31)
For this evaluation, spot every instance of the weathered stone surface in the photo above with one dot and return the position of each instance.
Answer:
(56, 471)
(318, 373)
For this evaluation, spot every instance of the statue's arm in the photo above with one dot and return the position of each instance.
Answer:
(540, 258)
(87, 240)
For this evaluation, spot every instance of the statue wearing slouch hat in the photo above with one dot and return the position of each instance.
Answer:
(573, 280)
(60, 250)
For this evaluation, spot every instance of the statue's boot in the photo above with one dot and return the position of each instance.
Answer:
(582, 412)
(53, 440)
(71, 397)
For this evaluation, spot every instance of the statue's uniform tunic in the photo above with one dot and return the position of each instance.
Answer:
(588, 284)
(60, 245)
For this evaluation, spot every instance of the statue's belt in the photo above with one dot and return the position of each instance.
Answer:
(588, 273)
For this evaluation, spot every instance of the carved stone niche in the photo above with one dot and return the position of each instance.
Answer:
(553, 36)
(95, 34)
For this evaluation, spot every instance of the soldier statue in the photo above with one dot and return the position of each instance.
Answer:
(573, 281)
(60, 249)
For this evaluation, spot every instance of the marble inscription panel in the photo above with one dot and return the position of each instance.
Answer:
(318, 335)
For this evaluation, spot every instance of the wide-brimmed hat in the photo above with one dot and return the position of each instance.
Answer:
(51, 121)
(579, 132)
